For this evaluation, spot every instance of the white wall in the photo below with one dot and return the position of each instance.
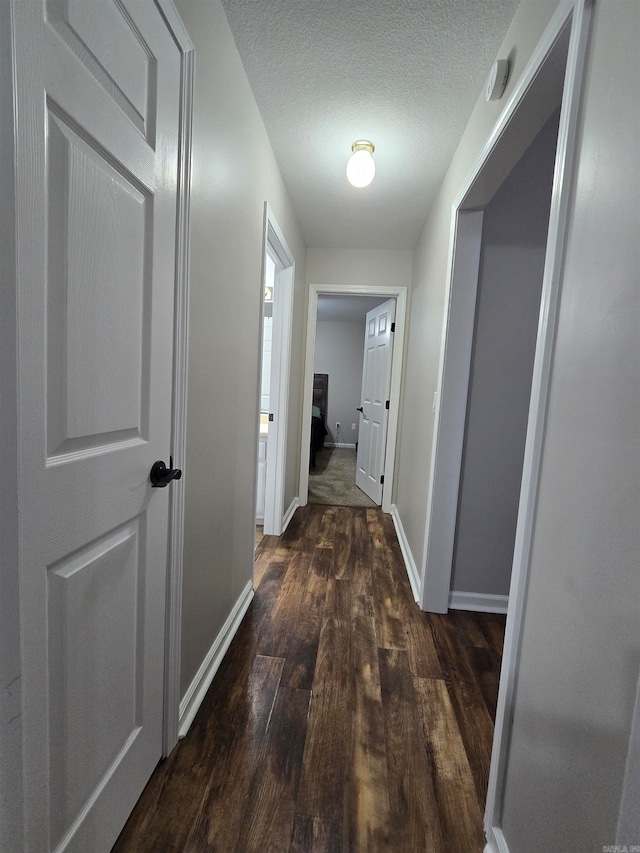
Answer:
(580, 655)
(339, 352)
(360, 266)
(234, 173)
(429, 285)
(514, 237)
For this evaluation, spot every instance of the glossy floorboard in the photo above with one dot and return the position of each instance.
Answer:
(342, 717)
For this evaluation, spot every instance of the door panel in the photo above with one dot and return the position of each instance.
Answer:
(98, 88)
(97, 387)
(107, 41)
(96, 628)
(376, 383)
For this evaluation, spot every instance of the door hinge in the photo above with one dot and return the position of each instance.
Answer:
(271, 418)
(393, 327)
(382, 480)
(386, 405)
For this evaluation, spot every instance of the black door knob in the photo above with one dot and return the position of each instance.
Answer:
(161, 476)
(360, 409)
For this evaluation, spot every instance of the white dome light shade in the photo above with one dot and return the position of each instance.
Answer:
(361, 166)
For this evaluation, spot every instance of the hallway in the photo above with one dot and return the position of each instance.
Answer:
(333, 480)
(342, 717)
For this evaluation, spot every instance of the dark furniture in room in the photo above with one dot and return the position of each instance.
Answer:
(318, 421)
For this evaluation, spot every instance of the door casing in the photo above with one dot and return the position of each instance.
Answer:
(180, 365)
(401, 296)
(11, 794)
(276, 245)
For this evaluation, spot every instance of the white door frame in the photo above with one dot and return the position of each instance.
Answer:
(276, 245)
(11, 818)
(466, 230)
(173, 635)
(364, 481)
(400, 294)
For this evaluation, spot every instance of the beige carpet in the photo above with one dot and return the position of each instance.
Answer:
(333, 480)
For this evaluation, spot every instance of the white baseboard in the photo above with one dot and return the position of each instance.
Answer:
(259, 519)
(293, 506)
(407, 556)
(339, 444)
(628, 818)
(496, 842)
(197, 689)
(478, 602)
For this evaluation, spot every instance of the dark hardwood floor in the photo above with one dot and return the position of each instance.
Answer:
(342, 717)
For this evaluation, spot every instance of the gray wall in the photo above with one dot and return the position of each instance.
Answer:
(378, 267)
(514, 237)
(234, 173)
(580, 654)
(339, 352)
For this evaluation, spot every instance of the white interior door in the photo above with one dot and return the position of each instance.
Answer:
(272, 511)
(97, 93)
(280, 256)
(376, 384)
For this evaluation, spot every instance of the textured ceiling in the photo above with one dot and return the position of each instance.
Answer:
(405, 75)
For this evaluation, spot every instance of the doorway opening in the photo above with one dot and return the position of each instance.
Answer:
(515, 224)
(275, 349)
(551, 79)
(335, 435)
(336, 421)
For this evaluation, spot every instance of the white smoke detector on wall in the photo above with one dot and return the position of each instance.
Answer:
(497, 79)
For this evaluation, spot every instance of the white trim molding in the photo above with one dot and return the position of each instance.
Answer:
(204, 676)
(173, 618)
(400, 294)
(578, 13)
(479, 602)
(11, 777)
(407, 556)
(496, 842)
(293, 506)
(340, 444)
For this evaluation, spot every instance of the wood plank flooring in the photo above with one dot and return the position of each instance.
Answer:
(342, 717)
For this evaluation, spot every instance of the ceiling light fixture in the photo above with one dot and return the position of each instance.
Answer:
(361, 166)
